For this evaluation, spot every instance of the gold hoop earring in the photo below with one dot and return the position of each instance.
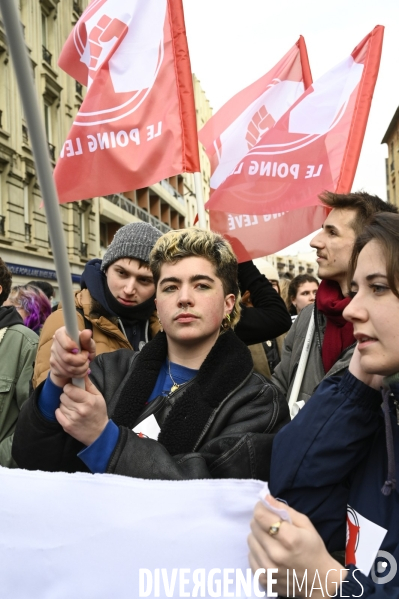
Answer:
(226, 322)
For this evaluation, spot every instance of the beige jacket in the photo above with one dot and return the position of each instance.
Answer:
(259, 357)
(106, 333)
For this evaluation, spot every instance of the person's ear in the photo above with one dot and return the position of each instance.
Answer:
(1, 289)
(229, 302)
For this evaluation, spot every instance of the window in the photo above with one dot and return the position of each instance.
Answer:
(48, 123)
(84, 246)
(28, 202)
(46, 54)
(4, 93)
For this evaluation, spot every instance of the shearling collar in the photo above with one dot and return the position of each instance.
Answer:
(224, 370)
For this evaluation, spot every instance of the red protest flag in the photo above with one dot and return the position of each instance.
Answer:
(137, 123)
(253, 236)
(314, 146)
(239, 124)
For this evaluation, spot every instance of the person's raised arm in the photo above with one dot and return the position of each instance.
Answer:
(268, 317)
(316, 452)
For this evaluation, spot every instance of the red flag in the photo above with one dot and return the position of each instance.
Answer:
(313, 147)
(137, 123)
(239, 124)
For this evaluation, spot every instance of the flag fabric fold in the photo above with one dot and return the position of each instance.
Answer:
(240, 123)
(314, 146)
(137, 123)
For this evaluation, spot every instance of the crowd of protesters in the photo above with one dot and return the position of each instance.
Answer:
(189, 360)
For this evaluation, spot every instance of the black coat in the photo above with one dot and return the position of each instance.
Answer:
(218, 425)
(268, 317)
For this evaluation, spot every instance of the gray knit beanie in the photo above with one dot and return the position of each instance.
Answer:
(134, 240)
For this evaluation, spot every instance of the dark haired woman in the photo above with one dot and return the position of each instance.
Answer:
(337, 461)
(301, 292)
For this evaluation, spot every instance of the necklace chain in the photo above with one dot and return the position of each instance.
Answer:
(175, 386)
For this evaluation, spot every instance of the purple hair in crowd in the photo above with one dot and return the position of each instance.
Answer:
(34, 302)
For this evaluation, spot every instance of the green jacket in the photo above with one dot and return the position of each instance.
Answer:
(18, 346)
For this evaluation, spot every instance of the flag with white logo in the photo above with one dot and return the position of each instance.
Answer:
(270, 199)
(137, 123)
(239, 124)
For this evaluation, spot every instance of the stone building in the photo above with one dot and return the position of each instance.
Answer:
(391, 138)
(291, 266)
(89, 225)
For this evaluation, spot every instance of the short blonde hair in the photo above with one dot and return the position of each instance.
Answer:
(184, 243)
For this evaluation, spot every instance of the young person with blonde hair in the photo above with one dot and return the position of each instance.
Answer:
(186, 406)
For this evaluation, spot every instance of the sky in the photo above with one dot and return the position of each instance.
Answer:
(234, 42)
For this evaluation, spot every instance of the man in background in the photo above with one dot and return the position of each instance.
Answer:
(333, 342)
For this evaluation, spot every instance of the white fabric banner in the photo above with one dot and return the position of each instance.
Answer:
(104, 537)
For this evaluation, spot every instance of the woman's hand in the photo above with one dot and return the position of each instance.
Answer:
(66, 360)
(296, 547)
(355, 368)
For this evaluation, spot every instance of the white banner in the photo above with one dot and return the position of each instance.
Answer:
(111, 537)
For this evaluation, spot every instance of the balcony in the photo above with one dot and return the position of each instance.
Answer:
(392, 166)
(2, 225)
(51, 149)
(166, 185)
(47, 56)
(83, 249)
(28, 232)
(79, 88)
(76, 8)
(127, 205)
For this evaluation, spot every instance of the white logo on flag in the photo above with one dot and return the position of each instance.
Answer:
(236, 140)
(311, 121)
(135, 64)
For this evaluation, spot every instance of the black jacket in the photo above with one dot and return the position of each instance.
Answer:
(218, 425)
(268, 318)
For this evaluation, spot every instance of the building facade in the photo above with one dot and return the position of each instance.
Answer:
(391, 138)
(291, 266)
(89, 226)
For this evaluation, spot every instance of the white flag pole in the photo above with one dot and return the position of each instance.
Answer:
(23, 71)
(301, 368)
(200, 200)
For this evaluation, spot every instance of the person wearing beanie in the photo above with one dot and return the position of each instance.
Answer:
(116, 300)
(187, 406)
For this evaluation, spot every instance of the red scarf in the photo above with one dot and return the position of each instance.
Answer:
(339, 332)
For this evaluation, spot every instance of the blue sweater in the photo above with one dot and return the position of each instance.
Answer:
(97, 455)
(333, 455)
